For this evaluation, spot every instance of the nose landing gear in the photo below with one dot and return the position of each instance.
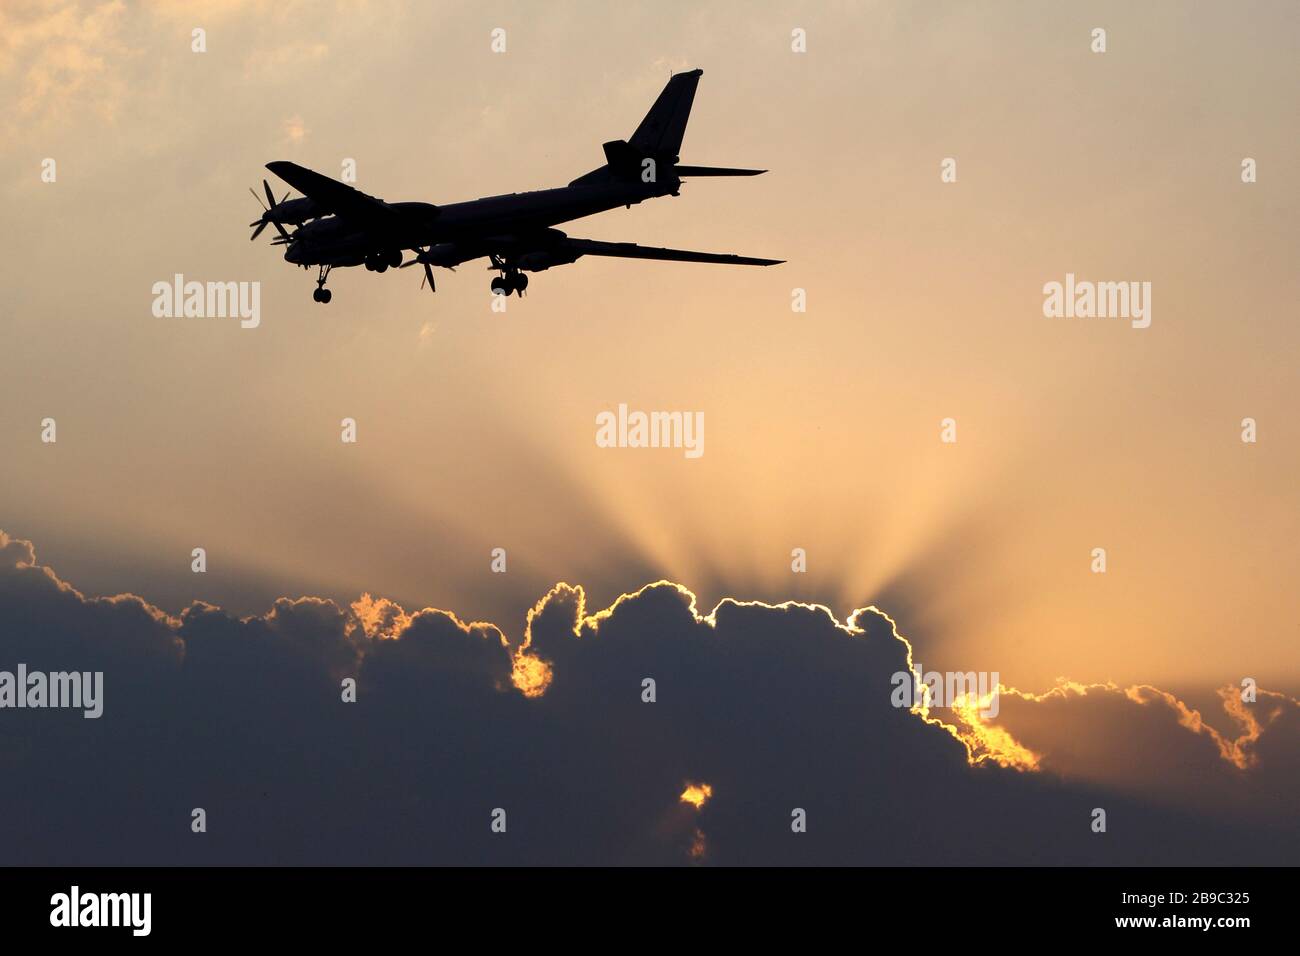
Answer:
(320, 293)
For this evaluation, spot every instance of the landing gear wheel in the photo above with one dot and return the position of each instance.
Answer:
(521, 283)
(318, 295)
(325, 295)
(394, 258)
(499, 286)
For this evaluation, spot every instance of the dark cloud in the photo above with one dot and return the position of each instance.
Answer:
(1145, 740)
(774, 708)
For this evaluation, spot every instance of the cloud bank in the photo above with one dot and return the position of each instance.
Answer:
(782, 712)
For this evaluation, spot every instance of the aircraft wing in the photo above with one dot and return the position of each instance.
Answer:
(335, 197)
(630, 250)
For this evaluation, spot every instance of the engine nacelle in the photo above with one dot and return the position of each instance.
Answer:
(446, 254)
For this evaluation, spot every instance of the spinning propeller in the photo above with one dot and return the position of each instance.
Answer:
(268, 214)
(428, 269)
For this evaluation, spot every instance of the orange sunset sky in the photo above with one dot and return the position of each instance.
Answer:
(476, 429)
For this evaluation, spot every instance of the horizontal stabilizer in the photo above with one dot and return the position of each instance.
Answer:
(715, 171)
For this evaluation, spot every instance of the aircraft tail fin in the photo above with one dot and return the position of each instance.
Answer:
(660, 133)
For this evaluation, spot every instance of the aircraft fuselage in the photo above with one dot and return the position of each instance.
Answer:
(329, 241)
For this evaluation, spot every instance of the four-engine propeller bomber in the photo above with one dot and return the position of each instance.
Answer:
(337, 225)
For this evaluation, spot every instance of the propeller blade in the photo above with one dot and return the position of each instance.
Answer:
(257, 197)
(428, 274)
(270, 196)
(258, 231)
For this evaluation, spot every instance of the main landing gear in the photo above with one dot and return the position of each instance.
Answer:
(383, 261)
(320, 293)
(510, 280)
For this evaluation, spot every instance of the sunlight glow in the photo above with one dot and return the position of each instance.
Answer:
(696, 794)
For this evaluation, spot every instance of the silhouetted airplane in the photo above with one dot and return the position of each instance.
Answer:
(336, 225)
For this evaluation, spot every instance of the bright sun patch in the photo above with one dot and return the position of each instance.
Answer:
(696, 794)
